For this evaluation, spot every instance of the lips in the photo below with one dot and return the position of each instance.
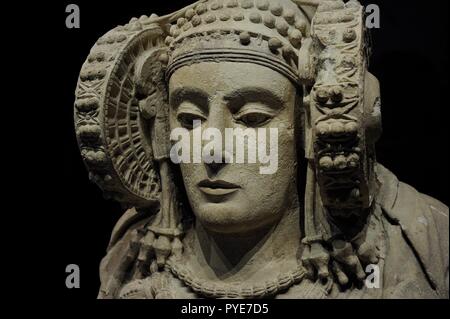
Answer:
(217, 188)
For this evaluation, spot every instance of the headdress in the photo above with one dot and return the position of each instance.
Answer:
(121, 110)
(268, 33)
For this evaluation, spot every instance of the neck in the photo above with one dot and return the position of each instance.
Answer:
(250, 256)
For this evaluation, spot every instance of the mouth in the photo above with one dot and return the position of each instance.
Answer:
(217, 188)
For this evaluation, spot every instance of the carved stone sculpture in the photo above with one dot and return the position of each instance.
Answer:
(224, 230)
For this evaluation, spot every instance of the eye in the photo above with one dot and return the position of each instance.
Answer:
(253, 119)
(187, 119)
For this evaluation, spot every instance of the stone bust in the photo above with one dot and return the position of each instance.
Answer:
(218, 228)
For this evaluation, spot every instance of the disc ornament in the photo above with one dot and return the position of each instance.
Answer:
(113, 136)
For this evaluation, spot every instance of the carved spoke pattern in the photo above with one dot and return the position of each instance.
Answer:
(125, 141)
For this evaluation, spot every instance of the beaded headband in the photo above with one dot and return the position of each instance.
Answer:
(263, 32)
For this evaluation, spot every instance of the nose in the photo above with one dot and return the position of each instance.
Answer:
(219, 118)
(212, 169)
(219, 114)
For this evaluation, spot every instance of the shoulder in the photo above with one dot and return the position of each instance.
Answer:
(424, 223)
(120, 251)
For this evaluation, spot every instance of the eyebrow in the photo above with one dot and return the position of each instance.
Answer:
(194, 95)
(238, 98)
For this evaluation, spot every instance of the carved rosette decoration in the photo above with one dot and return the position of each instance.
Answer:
(113, 136)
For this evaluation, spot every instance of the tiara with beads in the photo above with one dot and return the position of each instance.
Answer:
(269, 33)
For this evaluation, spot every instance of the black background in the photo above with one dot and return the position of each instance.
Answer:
(410, 58)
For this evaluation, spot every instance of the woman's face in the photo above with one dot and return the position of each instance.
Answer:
(236, 197)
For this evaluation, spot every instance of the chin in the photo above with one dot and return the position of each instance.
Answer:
(225, 218)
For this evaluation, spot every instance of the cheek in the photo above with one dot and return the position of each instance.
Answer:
(270, 191)
(287, 149)
(284, 122)
(173, 123)
(189, 172)
(281, 181)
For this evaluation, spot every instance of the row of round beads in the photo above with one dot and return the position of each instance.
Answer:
(193, 19)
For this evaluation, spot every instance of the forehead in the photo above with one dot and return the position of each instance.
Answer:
(226, 77)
